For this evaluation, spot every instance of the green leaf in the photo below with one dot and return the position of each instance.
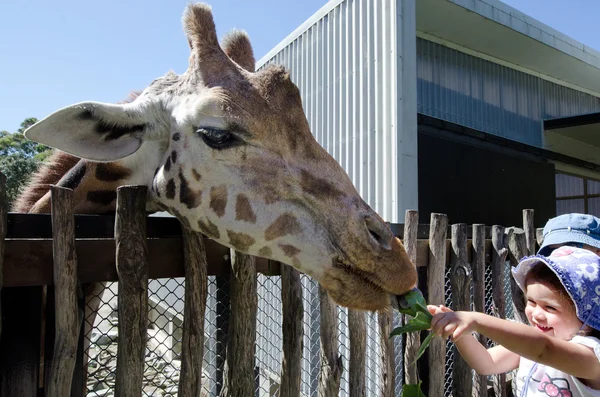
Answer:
(412, 303)
(419, 323)
(424, 346)
(412, 390)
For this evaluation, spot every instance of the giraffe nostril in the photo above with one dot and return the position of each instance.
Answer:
(379, 231)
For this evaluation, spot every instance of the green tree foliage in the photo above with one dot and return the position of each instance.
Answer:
(19, 158)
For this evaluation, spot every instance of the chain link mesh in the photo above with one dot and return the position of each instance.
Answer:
(163, 353)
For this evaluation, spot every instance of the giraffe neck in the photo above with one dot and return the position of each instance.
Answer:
(94, 184)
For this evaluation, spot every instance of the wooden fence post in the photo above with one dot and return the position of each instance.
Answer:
(358, 352)
(517, 248)
(478, 261)
(529, 228)
(68, 317)
(413, 341)
(293, 311)
(460, 281)
(499, 254)
(436, 273)
(238, 380)
(331, 362)
(194, 308)
(132, 268)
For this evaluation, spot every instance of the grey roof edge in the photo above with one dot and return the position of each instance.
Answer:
(502, 13)
(494, 10)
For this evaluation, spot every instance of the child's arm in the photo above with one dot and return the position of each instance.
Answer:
(495, 360)
(572, 358)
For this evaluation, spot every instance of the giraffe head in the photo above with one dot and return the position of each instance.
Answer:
(229, 152)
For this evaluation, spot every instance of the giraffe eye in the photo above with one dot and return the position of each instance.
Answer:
(216, 138)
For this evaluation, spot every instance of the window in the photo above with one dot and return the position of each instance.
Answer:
(577, 194)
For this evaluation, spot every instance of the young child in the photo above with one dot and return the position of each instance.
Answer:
(558, 354)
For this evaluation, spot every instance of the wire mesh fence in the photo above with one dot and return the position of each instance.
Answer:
(163, 353)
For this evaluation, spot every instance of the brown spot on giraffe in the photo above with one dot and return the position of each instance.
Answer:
(187, 196)
(243, 209)
(289, 250)
(110, 172)
(196, 174)
(170, 189)
(218, 199)
(240, 241)
(209, 229)
(265, 252)
(285, 224)
(318, 187)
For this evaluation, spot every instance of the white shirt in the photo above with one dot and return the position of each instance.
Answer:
(547, 381)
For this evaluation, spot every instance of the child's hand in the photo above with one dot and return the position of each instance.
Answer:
(433, 309)
(453, 325)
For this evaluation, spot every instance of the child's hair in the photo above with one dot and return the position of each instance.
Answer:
(542, 273)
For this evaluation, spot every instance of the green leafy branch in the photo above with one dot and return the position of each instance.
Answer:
(413, 303)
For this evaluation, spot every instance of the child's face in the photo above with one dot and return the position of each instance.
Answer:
(550, 312)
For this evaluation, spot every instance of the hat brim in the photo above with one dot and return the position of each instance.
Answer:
(565, 236)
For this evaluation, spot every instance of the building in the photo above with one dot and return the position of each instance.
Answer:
(465, 107)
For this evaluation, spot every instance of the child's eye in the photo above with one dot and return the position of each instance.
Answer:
(551, 308)
(530, 302)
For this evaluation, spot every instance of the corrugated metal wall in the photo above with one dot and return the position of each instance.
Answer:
(483, 95)
(345, 67)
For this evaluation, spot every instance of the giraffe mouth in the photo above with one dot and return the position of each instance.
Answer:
(367, 278)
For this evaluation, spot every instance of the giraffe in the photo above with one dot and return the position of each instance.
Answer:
(229, 152)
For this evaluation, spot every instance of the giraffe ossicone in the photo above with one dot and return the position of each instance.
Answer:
(228, 150)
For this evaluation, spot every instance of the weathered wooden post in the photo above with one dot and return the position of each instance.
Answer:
(499, 254)
(436, 273)
(68, 316)
(196, 288)
(358, 352)
(478, 269)
(238, 380)
(132, 268)
(413, 341)
(529, 228)
(460, 281)
(331, 369)
(517, 249)
(293, 311)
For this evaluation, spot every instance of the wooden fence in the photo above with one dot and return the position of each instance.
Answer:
(66, 250)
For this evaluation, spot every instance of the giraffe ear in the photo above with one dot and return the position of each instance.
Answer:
(92, 130)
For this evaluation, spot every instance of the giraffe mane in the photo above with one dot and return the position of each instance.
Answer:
(53, 169)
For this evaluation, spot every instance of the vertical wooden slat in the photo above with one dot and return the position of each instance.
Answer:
(132, 300)
(330, 372)
(517, 247)
(384, 320)
(460, 281)
(529, 231)
(196, 287)
(3, 213)
(413, 342)
(293, 310)
(478, 262)
(435, 287)
(358, 352)
(238, 380)
(499, 254)
(68, 318)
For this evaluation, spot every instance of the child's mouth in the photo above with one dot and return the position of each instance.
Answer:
(542, 328)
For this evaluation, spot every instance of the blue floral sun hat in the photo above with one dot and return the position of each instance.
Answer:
(579, 272)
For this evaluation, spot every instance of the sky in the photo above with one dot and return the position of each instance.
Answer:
(56, 53)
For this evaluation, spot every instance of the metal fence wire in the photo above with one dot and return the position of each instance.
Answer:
(163, 354)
